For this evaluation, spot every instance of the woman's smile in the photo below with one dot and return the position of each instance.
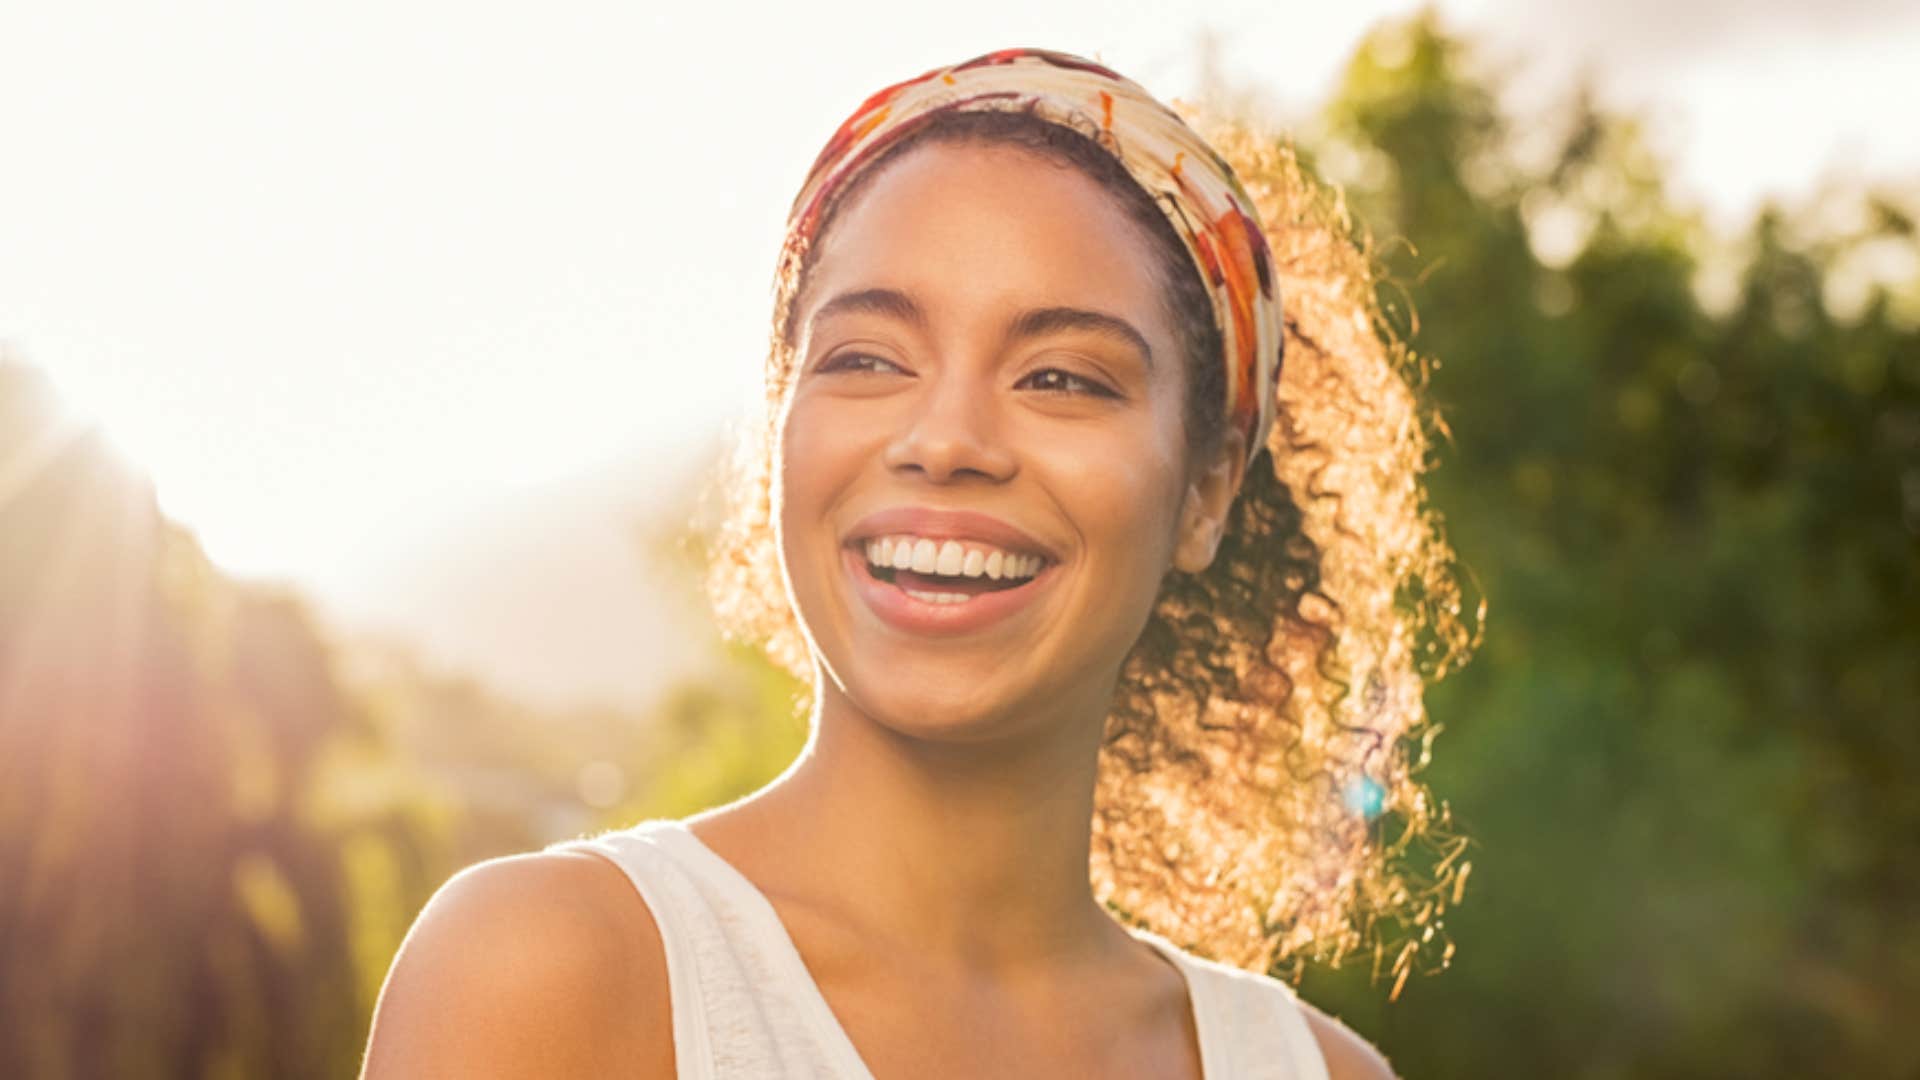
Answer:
(924, 570)
(940, 604)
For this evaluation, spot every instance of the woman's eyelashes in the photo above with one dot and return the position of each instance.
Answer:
(1050, 380)
(855, 361)
(1067, 382)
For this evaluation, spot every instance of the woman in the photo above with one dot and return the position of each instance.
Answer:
(1025, 512)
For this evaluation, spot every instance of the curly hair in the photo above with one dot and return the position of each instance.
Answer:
(1257, 798)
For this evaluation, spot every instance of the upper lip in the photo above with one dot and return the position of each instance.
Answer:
(936, 524)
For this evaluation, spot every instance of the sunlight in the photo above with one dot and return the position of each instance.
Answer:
(77, 665)
(22, 466)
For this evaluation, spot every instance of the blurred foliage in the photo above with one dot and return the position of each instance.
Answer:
(1687, 474)
(166, 907)
(216, 826)
(1685, 468)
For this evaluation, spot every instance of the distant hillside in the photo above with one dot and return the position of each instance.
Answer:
(556, 594)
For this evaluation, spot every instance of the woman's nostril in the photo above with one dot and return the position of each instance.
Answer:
(950, 461)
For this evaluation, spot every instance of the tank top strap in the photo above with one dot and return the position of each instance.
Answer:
(1252, 1025)
(674, 903)
(738, 1011)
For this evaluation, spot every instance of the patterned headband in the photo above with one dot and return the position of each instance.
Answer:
(1192, 185)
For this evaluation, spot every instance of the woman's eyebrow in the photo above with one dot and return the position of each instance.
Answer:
(872, 302)
(1053, 320)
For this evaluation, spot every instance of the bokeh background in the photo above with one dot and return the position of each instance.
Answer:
(362, 370)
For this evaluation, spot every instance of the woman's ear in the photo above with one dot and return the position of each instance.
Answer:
(1203, 512)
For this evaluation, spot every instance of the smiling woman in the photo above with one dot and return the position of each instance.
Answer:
(1111, 630)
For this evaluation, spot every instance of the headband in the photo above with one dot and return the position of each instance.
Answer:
(1193, 186)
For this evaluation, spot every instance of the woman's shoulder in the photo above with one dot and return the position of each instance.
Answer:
(537, 964)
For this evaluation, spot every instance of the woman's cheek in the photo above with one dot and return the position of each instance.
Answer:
(1122, 496)
(809, 453)
(1125, 483)
(805, 471)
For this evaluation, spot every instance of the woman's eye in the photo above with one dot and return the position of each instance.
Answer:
(853, 361)
(1066, 382)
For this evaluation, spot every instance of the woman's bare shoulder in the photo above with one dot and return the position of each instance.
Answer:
(543, 964)
(1348, 1056)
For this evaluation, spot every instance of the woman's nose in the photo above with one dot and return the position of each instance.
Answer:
(952, 431)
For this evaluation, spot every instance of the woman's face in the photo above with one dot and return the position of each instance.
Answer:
(986, 393)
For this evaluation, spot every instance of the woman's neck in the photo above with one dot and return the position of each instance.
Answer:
(975, 851)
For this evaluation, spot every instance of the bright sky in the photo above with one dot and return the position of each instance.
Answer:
(335, 275)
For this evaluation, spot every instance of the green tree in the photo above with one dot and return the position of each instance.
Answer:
(1685, 751)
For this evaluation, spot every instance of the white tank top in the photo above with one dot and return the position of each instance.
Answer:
(744, 1006)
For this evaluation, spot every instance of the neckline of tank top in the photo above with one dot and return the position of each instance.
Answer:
(771, 935)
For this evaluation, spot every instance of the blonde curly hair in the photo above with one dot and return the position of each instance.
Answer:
(1257, 798)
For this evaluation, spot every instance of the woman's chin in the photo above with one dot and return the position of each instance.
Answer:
(946, 723)
(936, 707)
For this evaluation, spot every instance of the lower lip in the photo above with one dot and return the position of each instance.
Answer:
(901, 611)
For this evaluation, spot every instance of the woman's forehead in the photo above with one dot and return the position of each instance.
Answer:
(970, 223)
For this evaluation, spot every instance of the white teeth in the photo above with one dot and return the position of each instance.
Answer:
(949, 558)
(938, 597)
(926, 556)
